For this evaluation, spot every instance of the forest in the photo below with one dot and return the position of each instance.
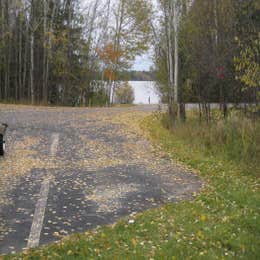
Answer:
(64, 52)
(208, 51)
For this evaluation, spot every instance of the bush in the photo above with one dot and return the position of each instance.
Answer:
(124, 94)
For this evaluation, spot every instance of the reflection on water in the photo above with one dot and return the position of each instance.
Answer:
(143, 90)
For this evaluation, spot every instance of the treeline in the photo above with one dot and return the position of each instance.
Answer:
(207, 51)
(64, 52)
(41, 50)
(67, 52)
(133, 75)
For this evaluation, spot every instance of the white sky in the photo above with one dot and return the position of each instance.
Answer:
(141, 63)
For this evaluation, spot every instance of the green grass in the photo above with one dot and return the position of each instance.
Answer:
(221, 223)
(236, 138)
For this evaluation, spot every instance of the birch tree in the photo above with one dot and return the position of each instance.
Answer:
(195, 50)
(171, 11)
(130, 34)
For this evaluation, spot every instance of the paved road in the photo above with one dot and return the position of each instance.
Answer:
(68, 170)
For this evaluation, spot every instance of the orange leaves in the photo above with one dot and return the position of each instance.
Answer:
(110, 74)
(108, 54)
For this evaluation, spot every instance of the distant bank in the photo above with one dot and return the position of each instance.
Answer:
(134, 75)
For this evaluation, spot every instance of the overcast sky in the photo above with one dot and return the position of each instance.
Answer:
(141, 63)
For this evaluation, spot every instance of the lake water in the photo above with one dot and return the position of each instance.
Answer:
(143, 90)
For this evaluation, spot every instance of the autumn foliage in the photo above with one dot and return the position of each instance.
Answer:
(110, 56)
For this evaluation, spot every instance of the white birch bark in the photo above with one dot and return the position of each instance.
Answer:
(176, 51)
(168, 16)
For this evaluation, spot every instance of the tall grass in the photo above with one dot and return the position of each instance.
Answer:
(235, 138)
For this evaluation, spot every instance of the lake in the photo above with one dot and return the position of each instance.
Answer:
(143, 90)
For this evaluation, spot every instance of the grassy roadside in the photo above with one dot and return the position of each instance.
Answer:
(229, 207)
(222, 222)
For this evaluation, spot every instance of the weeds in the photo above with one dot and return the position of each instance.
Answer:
(236, 138)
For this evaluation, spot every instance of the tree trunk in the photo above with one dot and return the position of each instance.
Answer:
(176, 53)
(20, 61)
(182, 112)
(25, 57)
(171, 76)
(8, 52)
(49, 52)
(45, 54)
(117, 40)
(32, 69)
(7, 78)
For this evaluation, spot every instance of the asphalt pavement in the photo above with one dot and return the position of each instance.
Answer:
(68, 170)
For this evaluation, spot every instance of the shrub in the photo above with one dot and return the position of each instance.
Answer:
(124, 94)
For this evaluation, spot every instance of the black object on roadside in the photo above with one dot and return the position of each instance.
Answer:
(3, 128)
